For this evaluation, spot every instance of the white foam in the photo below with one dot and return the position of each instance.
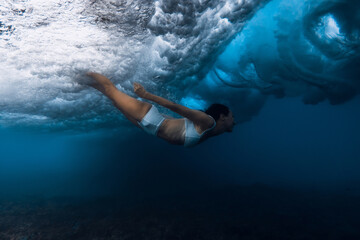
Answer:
(163, 45)
(52, 42)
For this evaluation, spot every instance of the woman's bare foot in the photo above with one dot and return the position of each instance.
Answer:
(100, 82)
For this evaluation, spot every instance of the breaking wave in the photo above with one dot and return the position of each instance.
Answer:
(197, 52)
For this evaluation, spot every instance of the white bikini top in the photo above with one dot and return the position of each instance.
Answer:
(192, 137)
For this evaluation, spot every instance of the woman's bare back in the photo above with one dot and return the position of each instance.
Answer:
(173, 131)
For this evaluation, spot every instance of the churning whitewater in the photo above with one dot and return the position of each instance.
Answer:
(194, 53)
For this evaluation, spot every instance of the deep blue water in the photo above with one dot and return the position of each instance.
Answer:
(287, 173)
(288, 144)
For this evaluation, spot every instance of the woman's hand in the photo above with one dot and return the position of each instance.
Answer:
(139, 90)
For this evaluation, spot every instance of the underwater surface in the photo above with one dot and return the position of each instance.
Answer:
(73, 167)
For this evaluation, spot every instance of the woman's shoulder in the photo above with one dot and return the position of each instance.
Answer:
(212, 123)
(209, 123)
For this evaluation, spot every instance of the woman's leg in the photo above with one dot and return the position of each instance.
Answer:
(133, 109)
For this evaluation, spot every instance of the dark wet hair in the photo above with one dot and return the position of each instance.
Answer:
(216, 109)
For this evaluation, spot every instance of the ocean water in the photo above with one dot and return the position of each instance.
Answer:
(72, 167)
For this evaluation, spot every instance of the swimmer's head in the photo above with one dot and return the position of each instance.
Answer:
(222, 115)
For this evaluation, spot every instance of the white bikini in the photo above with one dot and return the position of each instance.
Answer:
(152, 121)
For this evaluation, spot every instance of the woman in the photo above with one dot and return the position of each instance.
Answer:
(195, 127)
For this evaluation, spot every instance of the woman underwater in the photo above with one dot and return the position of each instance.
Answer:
(194, 128)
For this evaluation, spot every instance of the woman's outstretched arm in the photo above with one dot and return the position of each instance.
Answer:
(195, 116)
